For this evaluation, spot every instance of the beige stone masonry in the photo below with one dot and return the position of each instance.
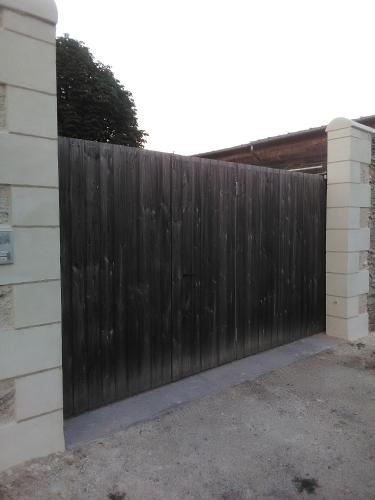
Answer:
(30, 300)
(35, 207)
(27, 113)
(348, 328)
(20, 23)
(31, 421)
(348, 233)
(28, 404)
(27, 62)
(347, 218)
(29, 350)
(31, 438)
(37, 168)
(36, 256)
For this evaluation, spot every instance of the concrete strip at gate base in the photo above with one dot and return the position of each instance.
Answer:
(348, 233)
(119, 416)
(31, 417)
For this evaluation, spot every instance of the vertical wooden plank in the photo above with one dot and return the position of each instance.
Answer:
(158, 243)
(322, 252)
(123, 216)
(293, 259)
(162, 357)
(282, 289)
(271, 203)
(93, 320)
(107, 295)
(78, 211)
(299, 261)
(314, 247)
(196, 267)
(225, 272)
(248, 260)
(255, 258)
(274, 230)
(209, 346)
(206, 195)
(145, 272)
(307, 256)
(185, 265)
(66, 274)
(242, 285)
(181, 194)
(176, 271)
(262, 263)
(134, 293)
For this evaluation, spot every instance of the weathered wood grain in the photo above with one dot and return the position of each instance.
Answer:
(172, 265)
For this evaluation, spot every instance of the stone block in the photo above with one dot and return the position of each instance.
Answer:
(37, 303)
(342, 262)
(36, 256)
(347, 240)
(28, 161)
(31, 113)
(342, 127)
(33, 206)
(30, 350)
(27, 63)
(38, 393)
(348, 195)
(41, 9)
(344, 172)
(347, 328)
(344, 218)
(27, 25)
(31, 438)
(342, 307)
(347, 285)
(349, 148)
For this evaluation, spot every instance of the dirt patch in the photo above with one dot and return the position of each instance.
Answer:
(116, 495)
(358, 345)
(305, 484)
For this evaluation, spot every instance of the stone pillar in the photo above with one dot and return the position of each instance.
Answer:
(348, 234)
(31, 420)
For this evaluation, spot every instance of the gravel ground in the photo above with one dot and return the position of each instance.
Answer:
(307, 430)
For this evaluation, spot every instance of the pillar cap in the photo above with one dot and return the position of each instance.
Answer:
(42, 9)
(341, 123)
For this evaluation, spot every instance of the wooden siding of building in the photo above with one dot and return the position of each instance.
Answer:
(301, 150)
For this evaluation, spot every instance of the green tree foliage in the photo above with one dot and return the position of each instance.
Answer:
(91, 103)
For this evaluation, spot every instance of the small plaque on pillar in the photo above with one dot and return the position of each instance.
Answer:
(6, 245)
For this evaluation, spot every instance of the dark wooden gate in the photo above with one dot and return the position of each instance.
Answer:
(172, 265)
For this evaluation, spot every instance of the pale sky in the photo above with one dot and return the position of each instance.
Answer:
(210, 74)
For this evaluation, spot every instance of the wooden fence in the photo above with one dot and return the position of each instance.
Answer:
(172, 265)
